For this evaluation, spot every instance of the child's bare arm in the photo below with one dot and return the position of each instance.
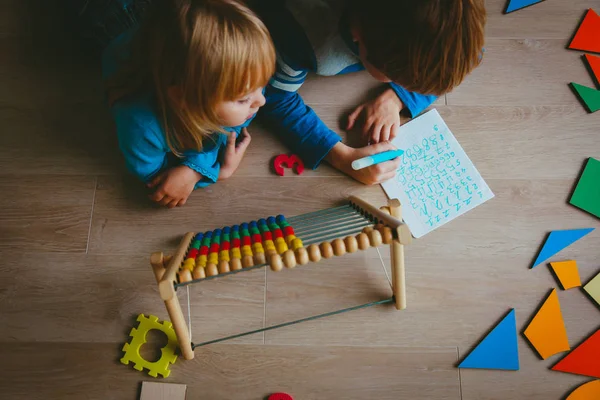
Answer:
(174, 186)
(234, 154)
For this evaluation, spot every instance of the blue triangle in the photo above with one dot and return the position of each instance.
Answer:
(518, 4)
(498, 350)
(558, 240)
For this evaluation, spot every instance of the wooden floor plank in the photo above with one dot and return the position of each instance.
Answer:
(234, 372)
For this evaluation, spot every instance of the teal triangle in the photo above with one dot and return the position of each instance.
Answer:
(518, 4)
(498, 350)
(589, 96)
(558, 240)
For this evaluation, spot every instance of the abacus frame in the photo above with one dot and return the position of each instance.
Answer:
(165, 268)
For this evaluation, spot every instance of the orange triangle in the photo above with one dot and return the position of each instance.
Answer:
(587, 37)
(587, 391)
(546, 331)
(567, 273)
(594, 63)
(583, 360)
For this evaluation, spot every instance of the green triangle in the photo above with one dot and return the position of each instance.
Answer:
(589, 96)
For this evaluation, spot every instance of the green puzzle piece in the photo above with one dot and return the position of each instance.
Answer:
(589, 96)
(587, 193)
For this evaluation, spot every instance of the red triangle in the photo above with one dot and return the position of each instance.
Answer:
(587, 37)
(594, 63)
(584, 359)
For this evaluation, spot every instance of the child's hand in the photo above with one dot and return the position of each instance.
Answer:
(381, 117)
(341, 157)
(174, 186)
(234, 154)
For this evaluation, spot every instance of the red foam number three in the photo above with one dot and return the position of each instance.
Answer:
(289, 162)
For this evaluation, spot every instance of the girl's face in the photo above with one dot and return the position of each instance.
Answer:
(238, 111)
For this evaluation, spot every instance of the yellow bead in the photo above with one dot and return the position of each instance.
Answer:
(296, 244)
(289, 239)
(246, 250)
(201, 260)
(224, 255)
(235, 253)
(213, 258)
(189, 264)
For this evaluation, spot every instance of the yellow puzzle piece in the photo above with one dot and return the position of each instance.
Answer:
(138, 338)
(547, 332)
(593, 288)
(587, 391)
(567, 273)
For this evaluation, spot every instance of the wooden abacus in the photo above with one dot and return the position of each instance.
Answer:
(277, 241)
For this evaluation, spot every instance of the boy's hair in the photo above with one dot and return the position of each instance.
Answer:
(206, 51)
(426, 46)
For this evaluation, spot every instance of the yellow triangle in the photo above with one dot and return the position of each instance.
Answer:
(546, 332)
(593, 288)
(567, 273)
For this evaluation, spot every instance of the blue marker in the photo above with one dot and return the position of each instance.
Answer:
(376, 159)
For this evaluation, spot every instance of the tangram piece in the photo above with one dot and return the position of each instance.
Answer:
(514, 5)
(558, 240)
(587, 192)
(587, 391)
(590, 97)
(498, 350)
(162, 391)
(547, 332)
(593, 288)
(587, 37)
(567, 273)
(594, 63)
(138, 338)
(584, 359)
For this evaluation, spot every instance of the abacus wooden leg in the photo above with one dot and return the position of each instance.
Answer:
(173, 306)
(397, 255)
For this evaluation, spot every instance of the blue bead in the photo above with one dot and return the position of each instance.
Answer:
(226, 230)
(208, 234)
(244, 225)
(270, 220)
(235, 228)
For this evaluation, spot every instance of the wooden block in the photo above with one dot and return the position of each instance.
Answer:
(558, 240)
(590, 97)
(593, 288)
(594, 64)
(583, 360)
(162, 391)
(498, 350)
(587, 192)
(546, 331)
(587, 391)
(587, 37)
(567, 273)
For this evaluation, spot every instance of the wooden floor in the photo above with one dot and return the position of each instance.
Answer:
(76, 234)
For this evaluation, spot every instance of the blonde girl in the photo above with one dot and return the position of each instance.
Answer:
(183, 87)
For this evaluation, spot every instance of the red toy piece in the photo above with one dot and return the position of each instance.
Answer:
(587, 35)
(289, 162)
(280, 396)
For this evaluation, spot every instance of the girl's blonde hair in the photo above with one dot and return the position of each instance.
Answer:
(205, 51)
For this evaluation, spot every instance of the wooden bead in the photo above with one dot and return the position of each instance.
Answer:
(339, 248)
(367, 229)
(247, 261)
(260, 258)
(351, 244)
(375, 238)
(235, 264)
(314, 254)
(301, 256)
(386, 234)
(326, 250)
(289, 259)
(363, 241)
(276, 262)
(185, 275)
(223, 267)
(211, 270)
(270, 252)
(199, 273)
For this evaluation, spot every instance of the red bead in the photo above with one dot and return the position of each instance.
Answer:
(214, 247)
(225, 246)
(278, 233)
(203, 250)
(246, 241)
(267, 236)
(288, 230)
(192, 253)
(235, 243)
(256, 238)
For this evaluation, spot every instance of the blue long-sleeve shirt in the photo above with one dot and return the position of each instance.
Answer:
(312, 36)
(142, 139)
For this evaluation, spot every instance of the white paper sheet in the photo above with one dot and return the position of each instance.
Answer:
(436, 181)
